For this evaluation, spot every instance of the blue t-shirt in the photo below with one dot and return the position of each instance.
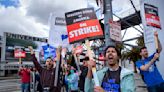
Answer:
(151, 76)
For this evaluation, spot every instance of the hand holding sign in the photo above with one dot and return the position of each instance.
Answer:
(31, 49)
(156, 33)
(83, 24)
(92, 64)
(156, 40)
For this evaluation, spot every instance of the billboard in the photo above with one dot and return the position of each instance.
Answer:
(16, 43)
(82, 24)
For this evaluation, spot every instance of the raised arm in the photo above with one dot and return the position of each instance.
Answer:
(158, 44)
(146, 66)
(58, 66)
(35, 61)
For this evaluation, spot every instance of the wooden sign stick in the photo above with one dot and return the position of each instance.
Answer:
(156, 43)
(90, 53)
(20, 62)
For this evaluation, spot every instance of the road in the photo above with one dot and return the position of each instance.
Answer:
(10, 85)
(13, 85)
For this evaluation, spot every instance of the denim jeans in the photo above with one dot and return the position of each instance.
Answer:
(156, 88)
(25, 87)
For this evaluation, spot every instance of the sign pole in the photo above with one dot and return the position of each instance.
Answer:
(20, 61)
(90, 53)
(107, 16)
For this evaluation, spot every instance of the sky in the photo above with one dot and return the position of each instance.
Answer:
(30, 17)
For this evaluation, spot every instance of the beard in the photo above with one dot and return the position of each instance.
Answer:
(111, 62)
(49, 66)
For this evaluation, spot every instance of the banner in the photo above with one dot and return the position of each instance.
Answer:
(82, 24)
(49, 51)
(58, 32)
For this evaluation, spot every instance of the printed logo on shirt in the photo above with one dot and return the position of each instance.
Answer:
(110, 86)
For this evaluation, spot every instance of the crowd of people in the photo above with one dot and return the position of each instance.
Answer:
(64, 77)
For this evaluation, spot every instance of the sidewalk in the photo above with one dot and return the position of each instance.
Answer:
(140, 85)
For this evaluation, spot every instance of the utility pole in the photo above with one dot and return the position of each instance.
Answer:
(107, 4)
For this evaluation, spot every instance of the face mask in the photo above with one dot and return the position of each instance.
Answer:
(72, 71)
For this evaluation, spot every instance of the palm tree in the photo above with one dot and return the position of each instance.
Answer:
(133, 54)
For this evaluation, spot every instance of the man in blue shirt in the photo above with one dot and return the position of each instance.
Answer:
(149, 70)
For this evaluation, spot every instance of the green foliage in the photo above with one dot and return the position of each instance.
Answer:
(133, 54)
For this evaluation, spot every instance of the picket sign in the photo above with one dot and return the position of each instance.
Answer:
(91, 53)
(18, 53)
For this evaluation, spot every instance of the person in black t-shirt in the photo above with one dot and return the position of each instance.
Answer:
(112, 78)
(84, 69)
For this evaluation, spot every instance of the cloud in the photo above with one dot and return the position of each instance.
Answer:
(41, 9)
(14, 20)
(31, 17)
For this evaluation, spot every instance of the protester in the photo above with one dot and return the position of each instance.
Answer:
(24, 73)
(36, 81)
(67, 72)
(72, 80)
(112, 78)
(149, 70)
(83, 69)
(47, 75)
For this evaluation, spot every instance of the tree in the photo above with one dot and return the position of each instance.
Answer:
(133, 54)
